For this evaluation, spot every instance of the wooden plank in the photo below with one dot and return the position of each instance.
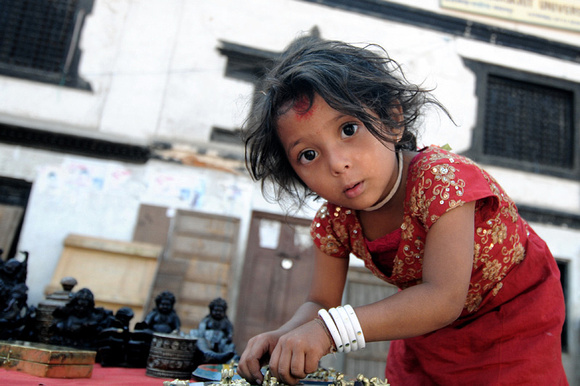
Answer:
(113, 246)
(208, 272)
(198, 224)
(10, 220)
(201, 292)
(183, 245)
(191, 315)
(152, 225)
(172, 267)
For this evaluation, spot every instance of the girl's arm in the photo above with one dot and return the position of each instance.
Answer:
(439, 299)
(297, 347)
(308, 341)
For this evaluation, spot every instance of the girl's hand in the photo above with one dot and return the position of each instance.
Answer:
(255, 355)
(298, 352)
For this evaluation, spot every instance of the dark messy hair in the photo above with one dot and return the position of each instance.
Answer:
(352, 80)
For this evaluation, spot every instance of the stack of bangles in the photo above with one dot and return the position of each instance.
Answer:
(344, 328)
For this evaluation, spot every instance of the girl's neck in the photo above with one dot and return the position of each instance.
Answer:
(377, 223)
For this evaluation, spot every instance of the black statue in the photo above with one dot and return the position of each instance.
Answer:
(17, 319)
(13, 271)
(119, 347)
(163, 317)
(78, 323)
(215, 333)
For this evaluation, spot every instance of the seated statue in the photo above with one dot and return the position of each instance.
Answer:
(17, 319)
(163, 317)
(215, 334)
(78, 323)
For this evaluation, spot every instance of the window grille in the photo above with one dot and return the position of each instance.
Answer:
(39, 39)
(526, 121)
(529, 122)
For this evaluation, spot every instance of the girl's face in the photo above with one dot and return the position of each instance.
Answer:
(336, 156)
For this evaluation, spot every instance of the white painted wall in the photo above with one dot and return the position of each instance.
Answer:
(156, 74)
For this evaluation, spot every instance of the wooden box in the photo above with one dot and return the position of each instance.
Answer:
(47, 361)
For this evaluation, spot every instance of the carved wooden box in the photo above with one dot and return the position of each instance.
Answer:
(48, 361)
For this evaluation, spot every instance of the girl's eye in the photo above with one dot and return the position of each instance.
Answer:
(307, 156)
(349, 130)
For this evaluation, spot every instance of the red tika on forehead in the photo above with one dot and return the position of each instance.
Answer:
(302, 108)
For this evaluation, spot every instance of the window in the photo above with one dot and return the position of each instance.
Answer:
(243, 63)
(526, 121)
(39, 40)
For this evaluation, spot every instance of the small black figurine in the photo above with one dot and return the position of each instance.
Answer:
(78, 323)
(215, 334)
(163, 317)
(17, 319)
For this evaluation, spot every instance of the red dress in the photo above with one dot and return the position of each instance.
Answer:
(509, 330)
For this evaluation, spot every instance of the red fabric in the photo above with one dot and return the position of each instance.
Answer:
(384, 250)
(510, 327)
(101, 376)
(513, 340)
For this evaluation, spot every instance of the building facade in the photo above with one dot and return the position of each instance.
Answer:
(108, 106)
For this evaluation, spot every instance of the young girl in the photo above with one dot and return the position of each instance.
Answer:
(480, 300)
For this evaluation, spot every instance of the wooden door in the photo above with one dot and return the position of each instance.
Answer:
(276, 277)
(196, 266)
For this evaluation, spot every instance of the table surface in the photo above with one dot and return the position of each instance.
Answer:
(101, 376)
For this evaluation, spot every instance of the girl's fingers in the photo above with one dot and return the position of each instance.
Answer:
(287, 363)
(250, 363)
(251, 371)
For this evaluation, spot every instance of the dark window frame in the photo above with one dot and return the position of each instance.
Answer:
(17, 62)
(482, 72)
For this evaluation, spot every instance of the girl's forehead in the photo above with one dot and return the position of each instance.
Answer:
(303, 107)
(302, 104)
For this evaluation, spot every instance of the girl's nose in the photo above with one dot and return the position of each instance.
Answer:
(339, 164)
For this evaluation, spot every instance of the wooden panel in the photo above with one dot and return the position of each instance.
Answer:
(192, 312)
(209, 272)
(197, 264)
(207, 226)
(201, 293)
(152, 225)
(182, 245)
(118, 273)
(10, 220)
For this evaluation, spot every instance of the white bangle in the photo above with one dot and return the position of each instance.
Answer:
(332, 329)
(341, 328)
(360, 338)
(349, 328)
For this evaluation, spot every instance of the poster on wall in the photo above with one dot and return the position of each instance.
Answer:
(561, 14)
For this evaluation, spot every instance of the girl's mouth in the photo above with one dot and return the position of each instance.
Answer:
(354, 190)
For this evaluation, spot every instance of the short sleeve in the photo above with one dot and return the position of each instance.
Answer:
(329, 232)
(442, 181)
